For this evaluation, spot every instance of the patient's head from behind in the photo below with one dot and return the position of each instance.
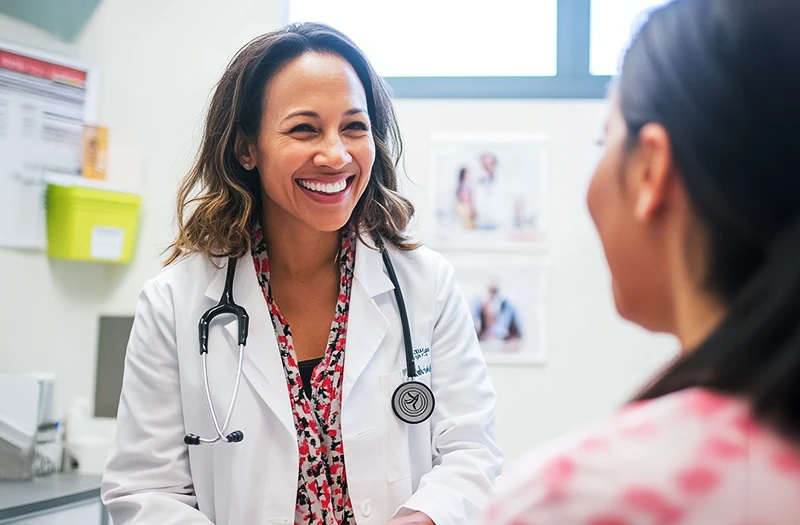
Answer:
(697, 197)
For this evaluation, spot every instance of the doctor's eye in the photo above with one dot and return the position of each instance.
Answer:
(303, 128)
(358, 126)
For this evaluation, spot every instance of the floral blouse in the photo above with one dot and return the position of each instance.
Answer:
(692, 457)
(322, 496)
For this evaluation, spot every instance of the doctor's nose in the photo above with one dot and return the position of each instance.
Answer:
(333, 154)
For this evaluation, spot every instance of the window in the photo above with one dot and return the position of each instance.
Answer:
(486, 48)
(612, 24)
(444, 38)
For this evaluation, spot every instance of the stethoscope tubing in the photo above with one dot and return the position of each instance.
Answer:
(221, 435)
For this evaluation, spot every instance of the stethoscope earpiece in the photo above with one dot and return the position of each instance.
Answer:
(191, 439)
(235, 437)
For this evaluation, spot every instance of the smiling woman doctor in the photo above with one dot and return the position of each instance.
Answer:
(291, 212)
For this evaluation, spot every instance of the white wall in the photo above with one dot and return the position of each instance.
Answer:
(159, 61)
(595, 360)
(14, 30)
(48, 309)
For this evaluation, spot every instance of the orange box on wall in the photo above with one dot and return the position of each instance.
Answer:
(95, 152)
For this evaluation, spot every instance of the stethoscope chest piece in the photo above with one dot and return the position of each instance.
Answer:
(413, 402)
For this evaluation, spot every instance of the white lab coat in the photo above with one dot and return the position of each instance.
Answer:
(445, 467)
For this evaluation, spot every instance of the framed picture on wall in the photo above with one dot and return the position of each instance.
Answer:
(507, 302)
(488, 190)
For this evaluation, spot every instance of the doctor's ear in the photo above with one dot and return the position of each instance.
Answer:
(245, 151)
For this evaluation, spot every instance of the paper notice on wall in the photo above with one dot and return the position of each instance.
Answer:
(107, 243)
(41, 127)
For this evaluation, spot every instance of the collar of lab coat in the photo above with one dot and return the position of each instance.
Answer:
(369, 271)
(263, 367)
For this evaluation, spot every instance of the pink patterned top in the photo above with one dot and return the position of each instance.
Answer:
(690, 458)
(322, 497)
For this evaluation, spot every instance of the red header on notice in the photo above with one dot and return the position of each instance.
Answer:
(42, 69)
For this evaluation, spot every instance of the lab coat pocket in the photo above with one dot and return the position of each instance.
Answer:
(397, 453)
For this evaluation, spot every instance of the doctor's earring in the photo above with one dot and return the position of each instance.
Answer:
(246, 166)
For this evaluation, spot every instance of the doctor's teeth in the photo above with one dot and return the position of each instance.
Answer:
(330, 187)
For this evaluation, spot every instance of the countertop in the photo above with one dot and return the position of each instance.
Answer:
(18, 498)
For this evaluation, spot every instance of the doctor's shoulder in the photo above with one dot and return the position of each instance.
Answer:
(192, 267)
(185, 276)
(423, 264)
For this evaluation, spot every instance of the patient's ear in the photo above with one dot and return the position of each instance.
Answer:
(653, 171)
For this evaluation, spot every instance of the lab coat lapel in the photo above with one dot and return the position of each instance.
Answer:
(367, 325)
(263, 367)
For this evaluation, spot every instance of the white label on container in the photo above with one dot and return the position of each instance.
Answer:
(107, 242)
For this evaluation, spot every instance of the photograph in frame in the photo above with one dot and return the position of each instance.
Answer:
(507, 301)
(488, 190)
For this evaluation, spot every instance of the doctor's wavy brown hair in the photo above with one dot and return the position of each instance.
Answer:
(218, 199)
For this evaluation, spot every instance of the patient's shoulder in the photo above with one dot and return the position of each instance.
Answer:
(681, 456)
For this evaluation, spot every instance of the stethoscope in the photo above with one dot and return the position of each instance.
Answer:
(412, 402)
